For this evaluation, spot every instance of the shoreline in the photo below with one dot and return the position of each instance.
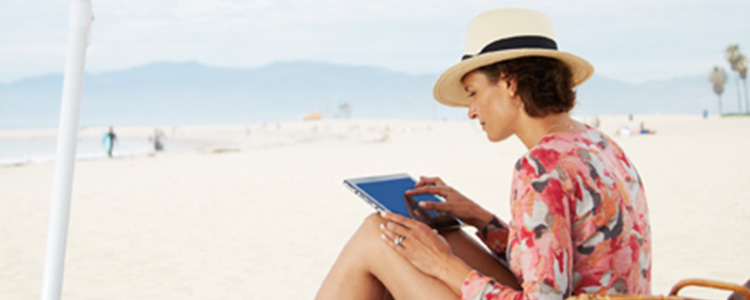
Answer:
(93, 131)
(236, 136)
(204, 138)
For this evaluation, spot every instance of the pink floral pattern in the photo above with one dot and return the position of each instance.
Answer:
(579, 223)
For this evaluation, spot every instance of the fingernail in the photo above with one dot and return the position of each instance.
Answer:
(382, 214)
(382, 226)
(382, 236)
(422, 204)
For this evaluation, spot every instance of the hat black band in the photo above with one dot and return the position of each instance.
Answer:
(536, 42)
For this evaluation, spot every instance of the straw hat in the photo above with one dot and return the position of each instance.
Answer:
(500, 35)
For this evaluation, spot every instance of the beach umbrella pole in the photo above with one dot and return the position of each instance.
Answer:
(79, 26)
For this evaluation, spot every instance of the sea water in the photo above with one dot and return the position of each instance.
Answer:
(27, 150)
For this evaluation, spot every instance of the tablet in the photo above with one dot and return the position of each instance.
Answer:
(386, 193)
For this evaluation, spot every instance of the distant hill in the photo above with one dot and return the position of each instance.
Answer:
(166, 93)
(686, 95)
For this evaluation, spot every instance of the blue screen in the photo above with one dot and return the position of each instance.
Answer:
(390, 193)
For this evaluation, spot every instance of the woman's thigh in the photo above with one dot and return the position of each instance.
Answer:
(404, 281)
(478, 257)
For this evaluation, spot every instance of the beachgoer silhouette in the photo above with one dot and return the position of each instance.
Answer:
(643, 130)
(108, 139)
(159, 138)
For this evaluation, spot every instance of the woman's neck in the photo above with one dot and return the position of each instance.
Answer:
(532, 130)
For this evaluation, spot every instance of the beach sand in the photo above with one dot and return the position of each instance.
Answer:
(264, 214)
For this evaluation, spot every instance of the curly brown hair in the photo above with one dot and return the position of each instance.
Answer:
(545, 85)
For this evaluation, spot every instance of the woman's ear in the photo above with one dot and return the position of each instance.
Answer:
(512, 87)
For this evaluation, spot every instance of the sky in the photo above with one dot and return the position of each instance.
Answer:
(633, 40)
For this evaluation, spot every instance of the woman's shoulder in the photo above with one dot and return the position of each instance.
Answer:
(587, 139)
(580, 146)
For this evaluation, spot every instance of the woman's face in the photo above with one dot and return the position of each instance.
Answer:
(493, 104)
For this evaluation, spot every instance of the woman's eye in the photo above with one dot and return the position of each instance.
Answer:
(471, 94)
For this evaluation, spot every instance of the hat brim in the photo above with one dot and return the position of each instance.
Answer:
(449, 90)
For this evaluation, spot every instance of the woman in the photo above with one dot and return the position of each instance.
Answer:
(579, 218)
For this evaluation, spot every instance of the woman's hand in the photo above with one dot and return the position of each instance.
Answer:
(455, 203)
(424, 248)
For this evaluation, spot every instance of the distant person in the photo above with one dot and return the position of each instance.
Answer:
(625, 130)
(108, 139)
(596, 122)
(705, 113)
(158, 139)
(643, 130)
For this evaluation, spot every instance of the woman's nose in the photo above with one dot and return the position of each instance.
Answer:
(472, 113)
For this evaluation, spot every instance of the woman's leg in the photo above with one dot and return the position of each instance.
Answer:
(476, 255)
(367, 268)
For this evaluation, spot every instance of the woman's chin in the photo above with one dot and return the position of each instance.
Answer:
(494, 138)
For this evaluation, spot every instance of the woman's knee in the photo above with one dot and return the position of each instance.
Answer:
(371, 225)
(366, 241)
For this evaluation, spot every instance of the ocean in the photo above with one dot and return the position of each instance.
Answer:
(43, 149)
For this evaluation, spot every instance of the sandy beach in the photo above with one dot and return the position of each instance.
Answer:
(260, 211)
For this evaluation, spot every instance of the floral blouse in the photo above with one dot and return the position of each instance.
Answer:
(579, 223)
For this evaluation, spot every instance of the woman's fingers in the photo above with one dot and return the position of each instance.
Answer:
(394, 233)
(400, 220)
(399, 225)
(437, 206)
(389, 236)
(442, 191)
(423, 180)
(421, 246)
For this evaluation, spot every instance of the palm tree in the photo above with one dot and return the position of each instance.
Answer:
(718, 78)
(734, 57)
(742, 70)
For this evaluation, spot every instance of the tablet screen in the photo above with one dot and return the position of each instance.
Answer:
(390, 193)
(386, 192)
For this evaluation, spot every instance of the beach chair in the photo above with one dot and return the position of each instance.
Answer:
(739, 292)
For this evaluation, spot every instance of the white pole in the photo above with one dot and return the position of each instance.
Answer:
(79, 27)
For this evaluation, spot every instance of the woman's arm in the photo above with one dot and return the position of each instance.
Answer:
(455, 204)
(495, 236)
(546, 259)
(540, 244)
(490, 229)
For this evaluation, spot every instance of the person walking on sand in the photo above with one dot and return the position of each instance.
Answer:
(579, 220)
(158, 139)
(108, 139)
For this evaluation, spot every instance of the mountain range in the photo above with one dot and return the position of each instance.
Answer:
(189, 93)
